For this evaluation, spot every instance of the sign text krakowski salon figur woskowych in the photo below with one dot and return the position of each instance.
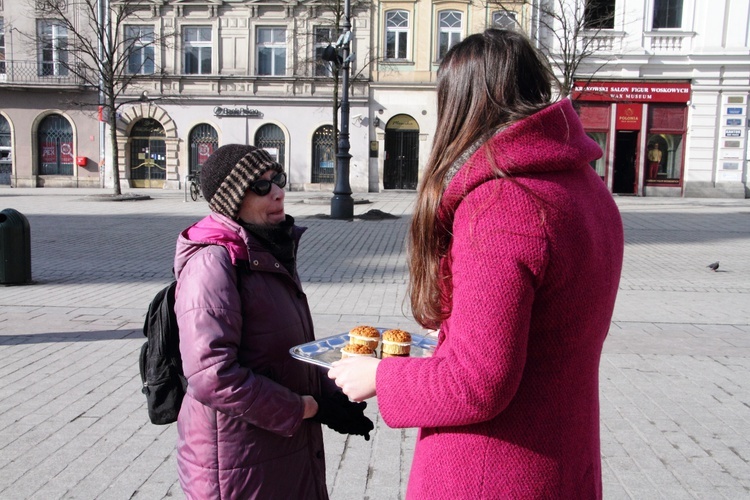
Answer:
(631, 91)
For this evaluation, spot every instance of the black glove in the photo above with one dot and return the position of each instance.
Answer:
(343, 416)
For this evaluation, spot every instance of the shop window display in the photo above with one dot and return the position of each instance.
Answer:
(664, 157)
(599, 164)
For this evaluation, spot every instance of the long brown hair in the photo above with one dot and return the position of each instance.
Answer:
(487, 81)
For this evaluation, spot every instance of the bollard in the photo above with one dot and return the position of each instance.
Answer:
(15, 248)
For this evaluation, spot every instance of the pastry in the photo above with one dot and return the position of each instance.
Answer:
(353, 350)
(396, 343)
(365, 335)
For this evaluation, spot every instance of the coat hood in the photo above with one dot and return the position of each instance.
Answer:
(551, 140)
(214, 229)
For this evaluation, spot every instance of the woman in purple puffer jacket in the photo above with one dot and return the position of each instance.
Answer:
(516, 250)
(249, 426)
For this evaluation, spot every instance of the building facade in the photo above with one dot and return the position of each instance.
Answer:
(665, 94)
(200, 74)
(661, 85)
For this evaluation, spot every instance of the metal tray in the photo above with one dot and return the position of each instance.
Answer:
(323, 352)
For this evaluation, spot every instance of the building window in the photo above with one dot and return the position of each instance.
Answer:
(6, 158)
(139, 46)
(667, 14)
(197, 50)
(55, 138)
(271, 138)
(504, 20)
(204, 140)
(599, 165)
(2, 46)
(664, 157)
(396, 34)
(53, 49)
(323, 38)
(323, 155)
(599, 15)
(271, 46)
(449, 29)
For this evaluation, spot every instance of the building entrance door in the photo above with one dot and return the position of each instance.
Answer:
(148, 155)
(624, 177)
(401, 153)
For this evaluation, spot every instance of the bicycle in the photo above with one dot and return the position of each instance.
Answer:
(195, 186)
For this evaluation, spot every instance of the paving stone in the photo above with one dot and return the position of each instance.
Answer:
(675, 372)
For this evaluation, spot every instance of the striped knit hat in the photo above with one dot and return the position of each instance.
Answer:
(229, 171)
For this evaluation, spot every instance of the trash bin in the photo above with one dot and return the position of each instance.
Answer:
(15, 248)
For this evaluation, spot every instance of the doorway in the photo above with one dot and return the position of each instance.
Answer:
(401, 153)
(624, 177)
(148, 154)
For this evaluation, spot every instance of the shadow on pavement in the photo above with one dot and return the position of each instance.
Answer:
(54, 337)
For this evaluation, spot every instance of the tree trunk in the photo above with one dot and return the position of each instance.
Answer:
(114, 150)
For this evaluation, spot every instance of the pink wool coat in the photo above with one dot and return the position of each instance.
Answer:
(509, 406)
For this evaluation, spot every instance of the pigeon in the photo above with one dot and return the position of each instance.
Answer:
(713, 266)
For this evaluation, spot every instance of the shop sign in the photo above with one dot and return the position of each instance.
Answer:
(733, 132)
(734, 111)
(629, 116)
(631, 91)
(246, 112)
(731, 165)
(734, 122)
(402, 122)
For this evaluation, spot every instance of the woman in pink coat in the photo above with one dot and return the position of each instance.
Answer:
(515, 256)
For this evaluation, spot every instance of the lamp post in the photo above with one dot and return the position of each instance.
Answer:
(342, 203)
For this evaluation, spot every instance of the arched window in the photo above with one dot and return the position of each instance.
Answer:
(504, 20)
(203, 141)
(55, 136)
(148, 154)
(450, 30)
(271, 138)
(323, 155)
(396, 34)
(6, 159)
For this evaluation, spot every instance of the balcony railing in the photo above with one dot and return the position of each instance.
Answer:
(666, 41)
(606, 41)
(33, 72)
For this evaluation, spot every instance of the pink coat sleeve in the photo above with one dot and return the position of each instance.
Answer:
(498, 255)
(208, 313)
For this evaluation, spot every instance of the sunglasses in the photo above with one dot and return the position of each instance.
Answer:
(263, 187)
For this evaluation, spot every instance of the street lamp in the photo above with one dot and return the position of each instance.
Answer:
(342, 203)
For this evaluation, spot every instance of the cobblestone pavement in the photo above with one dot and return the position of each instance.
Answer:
(675, 374)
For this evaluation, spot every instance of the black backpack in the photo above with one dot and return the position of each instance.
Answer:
(160, 363)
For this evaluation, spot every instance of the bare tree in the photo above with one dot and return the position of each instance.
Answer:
(566, 31)
(328, 32)
(103, 52)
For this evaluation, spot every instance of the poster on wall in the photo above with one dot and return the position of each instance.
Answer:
(204, 151)
(66, 152)
(49, 152)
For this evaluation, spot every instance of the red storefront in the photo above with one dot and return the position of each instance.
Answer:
(641, 128)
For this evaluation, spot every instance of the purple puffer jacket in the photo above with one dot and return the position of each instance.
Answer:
(241, 432)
